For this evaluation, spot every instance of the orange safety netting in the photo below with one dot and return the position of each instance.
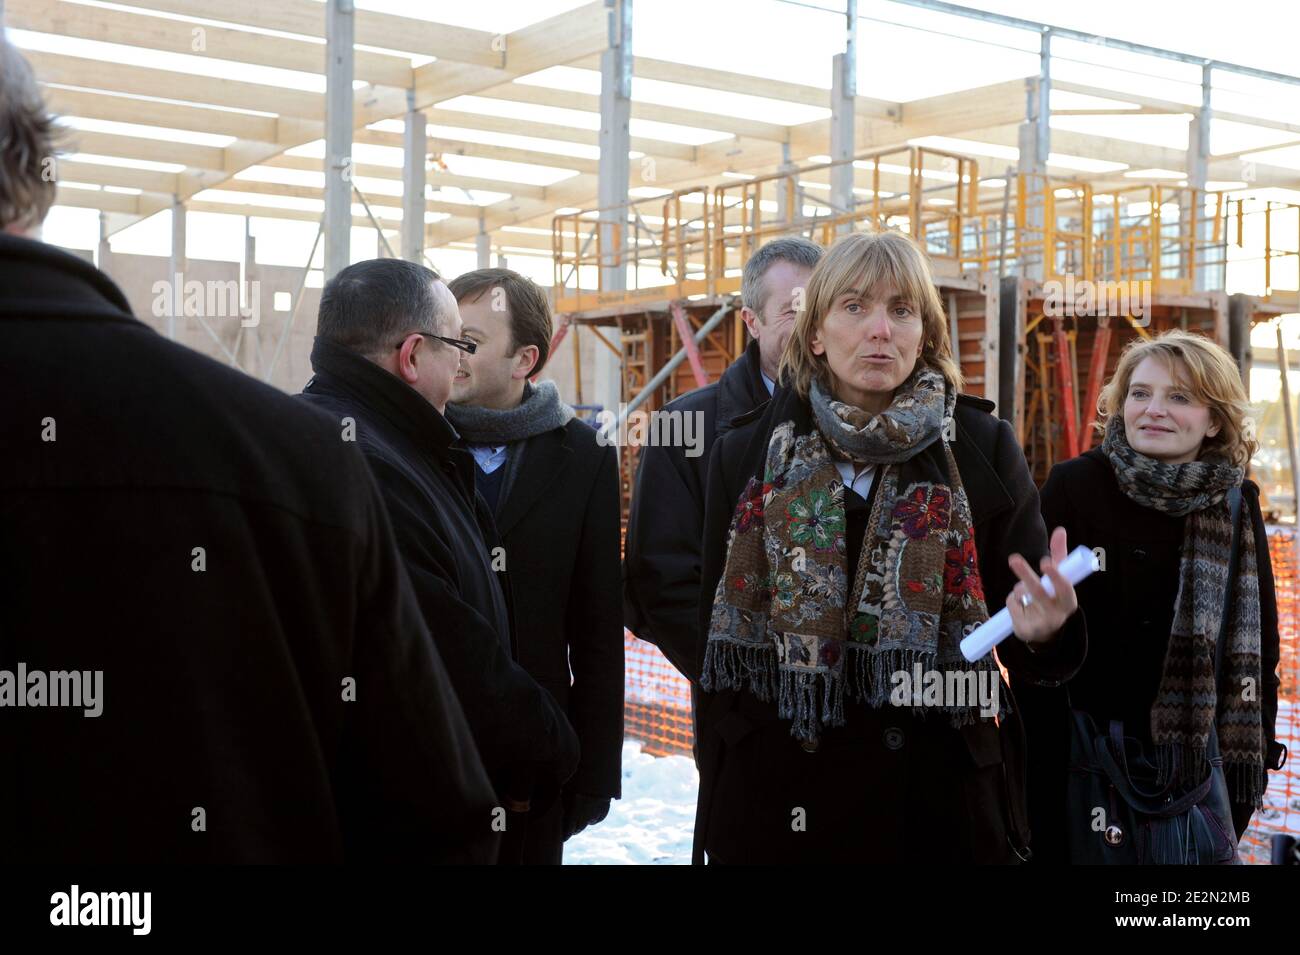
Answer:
(657, 710)
(1281, 810)
(656, 700)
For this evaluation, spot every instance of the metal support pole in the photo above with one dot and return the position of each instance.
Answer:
(615, 142)
(688, 343)
(339, 32)
(413, 181)
(1065, 382)
(483, 246)
(662, 374)
(844, 89)
(103, 252)
(784, 194)
(1196, 230)
(1035, 142)
(176, 264)
(1096, 375)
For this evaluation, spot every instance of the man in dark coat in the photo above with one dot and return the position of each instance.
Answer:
(896, 787)
(553, 488)
(387, 348)
(661, 571)
(215, 567)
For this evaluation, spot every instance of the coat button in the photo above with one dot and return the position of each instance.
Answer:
(894, 738)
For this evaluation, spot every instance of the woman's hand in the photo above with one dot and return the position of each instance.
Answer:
(1038, 622)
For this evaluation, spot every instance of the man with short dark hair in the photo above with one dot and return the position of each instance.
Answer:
(387, 349)
(661, 570)
(255, 682)
(554, 492)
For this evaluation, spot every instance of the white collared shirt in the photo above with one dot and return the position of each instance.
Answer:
(861, 485)
(489, 458)
(771, 385)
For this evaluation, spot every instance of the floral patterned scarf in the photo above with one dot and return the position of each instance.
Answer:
(785, 623)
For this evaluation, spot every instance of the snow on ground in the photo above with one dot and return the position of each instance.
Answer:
(652, 823)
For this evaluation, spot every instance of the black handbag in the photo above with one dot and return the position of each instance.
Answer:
(1118, 812)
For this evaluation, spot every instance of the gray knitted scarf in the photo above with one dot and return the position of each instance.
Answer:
(1189, 700)
(541, 410)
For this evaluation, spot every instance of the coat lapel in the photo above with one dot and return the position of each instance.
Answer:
(987, 494)
(545, 456)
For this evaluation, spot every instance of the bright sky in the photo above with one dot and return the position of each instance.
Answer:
(904, 54)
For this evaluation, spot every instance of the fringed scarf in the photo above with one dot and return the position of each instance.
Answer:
(785, 624)
(1189, 700)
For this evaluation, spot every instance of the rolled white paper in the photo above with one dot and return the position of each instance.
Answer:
(1079, 564)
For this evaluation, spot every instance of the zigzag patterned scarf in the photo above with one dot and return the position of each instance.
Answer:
(1188, 700)
(784, 624)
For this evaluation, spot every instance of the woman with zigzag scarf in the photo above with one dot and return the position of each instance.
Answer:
(1154, 499)
(857, 526)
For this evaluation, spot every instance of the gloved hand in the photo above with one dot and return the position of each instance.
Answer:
(582, 810)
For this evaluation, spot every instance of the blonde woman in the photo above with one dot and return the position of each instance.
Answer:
(857, 525)
(1154, 497)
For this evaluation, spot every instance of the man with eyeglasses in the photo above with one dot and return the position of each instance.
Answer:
(387, 349)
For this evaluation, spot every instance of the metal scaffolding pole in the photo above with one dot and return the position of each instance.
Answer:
(615, 142)
(176, 264)
(662, 374)
(483, 245)
(103, 251)
(340, 29)
(413, 181)
(612, 181)
(1035, 143)
(844, 90)
(1097, 40)
(1198, 228)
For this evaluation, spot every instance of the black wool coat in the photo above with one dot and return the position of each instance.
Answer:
(888, 787)
(663, 551)
(445, 536)
(559, 524)
(223, 669)
(1130, 610)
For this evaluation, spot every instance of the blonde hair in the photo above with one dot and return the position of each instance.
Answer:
(866, 261)
(1204, 369)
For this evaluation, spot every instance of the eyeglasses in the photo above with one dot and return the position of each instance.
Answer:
(464, 344)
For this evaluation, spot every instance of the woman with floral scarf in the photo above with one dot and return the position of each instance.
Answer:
(857, 526)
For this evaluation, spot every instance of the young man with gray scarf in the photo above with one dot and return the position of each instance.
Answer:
(553, 489)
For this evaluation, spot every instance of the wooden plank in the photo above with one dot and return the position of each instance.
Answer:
(383, 30)
(138, 147)
(140, 29)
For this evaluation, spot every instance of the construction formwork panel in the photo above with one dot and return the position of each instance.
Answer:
(971, 306)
